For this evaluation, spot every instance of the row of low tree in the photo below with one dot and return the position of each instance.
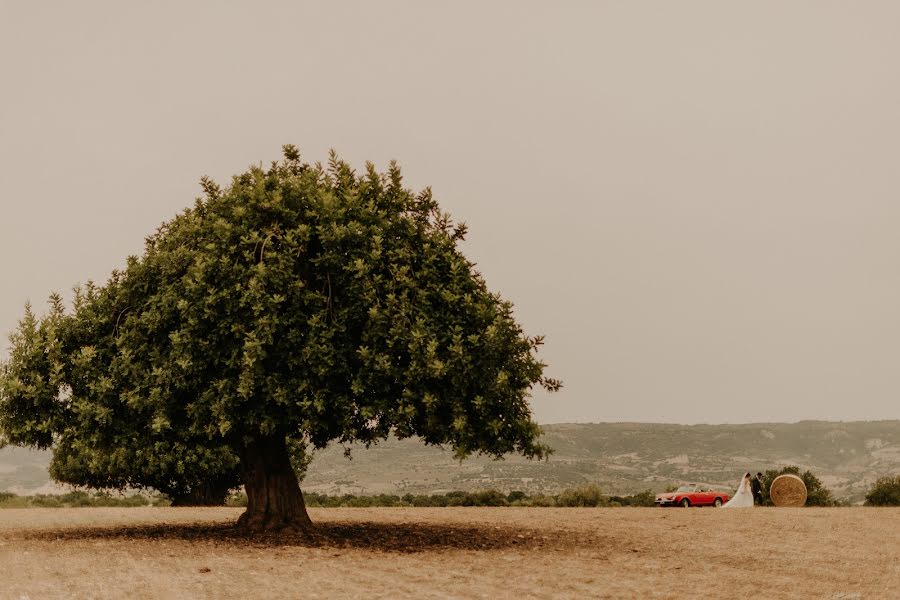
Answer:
(885, 492)
(78, 499)
(582, 496)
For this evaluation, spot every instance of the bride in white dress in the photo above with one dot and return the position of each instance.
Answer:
(743, 497)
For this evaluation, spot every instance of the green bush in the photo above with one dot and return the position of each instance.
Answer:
(42, 501)
(645, 498)
(10, 500)
(239, 499)
(584, 496)
(516, 496)
(541, 500)
(816, 492)
(480, 498)
(885, 492)
(424, 501)
(314, 499)
(490, 498)
(386, 500)
(461, 499)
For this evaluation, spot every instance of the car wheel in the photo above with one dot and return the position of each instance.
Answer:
(718, 502)
(686, 503)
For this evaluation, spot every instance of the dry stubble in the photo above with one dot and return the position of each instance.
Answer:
(454, 553)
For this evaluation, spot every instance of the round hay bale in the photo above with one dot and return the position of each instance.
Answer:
(788, 490)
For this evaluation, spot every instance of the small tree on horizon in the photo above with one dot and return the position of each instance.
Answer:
(816, 492)
(885, 492)
(299, 305)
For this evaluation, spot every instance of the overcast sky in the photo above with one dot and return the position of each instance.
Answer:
(696, 202)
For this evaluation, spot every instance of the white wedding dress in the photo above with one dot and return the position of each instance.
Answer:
(743, 497)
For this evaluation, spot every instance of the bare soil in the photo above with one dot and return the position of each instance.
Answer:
(845, 553)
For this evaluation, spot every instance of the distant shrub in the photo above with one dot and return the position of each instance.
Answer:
(386, 500)
(585, 496)
(239, 499)
(424, 501)
(10, 500)
(885, 492)
(345, 500)
(516, 496)
(479, 498)
(318, 500)
(74, 499)
(542, 500)
(458, 499)
(645, 498)
(78, 498)
(45, 501)
(816, 492)
(490, 498)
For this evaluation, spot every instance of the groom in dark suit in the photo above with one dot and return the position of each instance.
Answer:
(756, 486)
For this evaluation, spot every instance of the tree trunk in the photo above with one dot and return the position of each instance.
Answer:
(274, 499)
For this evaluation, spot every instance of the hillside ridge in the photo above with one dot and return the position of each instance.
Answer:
(621, 457)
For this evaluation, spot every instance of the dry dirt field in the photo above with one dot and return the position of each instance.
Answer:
(455, 553)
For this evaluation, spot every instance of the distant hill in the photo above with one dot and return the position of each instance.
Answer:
(620, 457)
(23, 470)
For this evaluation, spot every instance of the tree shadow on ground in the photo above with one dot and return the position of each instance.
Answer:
(383, 537)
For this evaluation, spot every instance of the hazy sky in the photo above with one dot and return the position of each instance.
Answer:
(696, 202)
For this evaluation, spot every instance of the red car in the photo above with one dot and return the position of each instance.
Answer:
(693, 494)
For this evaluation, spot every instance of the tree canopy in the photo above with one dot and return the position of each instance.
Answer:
(58, 364)
(300, 304)
(884, 492)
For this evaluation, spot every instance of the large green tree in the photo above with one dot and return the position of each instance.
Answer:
(300, 304)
